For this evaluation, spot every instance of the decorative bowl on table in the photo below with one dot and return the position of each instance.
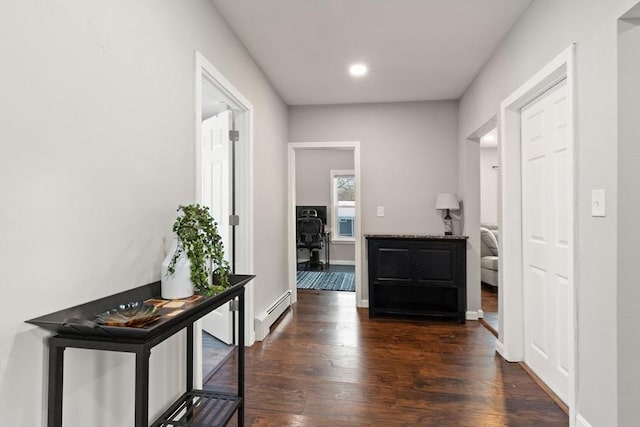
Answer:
(131, 314)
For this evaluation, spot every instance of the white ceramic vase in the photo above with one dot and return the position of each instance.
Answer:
(177, 285)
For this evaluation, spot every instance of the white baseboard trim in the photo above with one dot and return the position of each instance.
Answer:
(472, 315)
(500, 349)
(264, 320)
(480, 314)
(364, 303)
(581, 422)
(342, 262)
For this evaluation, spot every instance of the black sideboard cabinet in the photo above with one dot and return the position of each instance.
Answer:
(417, 275)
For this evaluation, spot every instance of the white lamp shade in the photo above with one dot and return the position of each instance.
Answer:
(447, 201)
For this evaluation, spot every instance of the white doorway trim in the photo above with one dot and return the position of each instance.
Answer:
(244, 189)
(511, 342)
(291, 217)
(473, 218)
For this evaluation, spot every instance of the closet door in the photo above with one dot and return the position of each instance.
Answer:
(217, 195)
(546, 226)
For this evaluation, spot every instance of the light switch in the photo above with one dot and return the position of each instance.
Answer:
(597, 203)
(381, 211)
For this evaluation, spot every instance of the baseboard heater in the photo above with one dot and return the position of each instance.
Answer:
(265, 319)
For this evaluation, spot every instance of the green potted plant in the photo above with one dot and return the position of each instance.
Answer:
(198, 255)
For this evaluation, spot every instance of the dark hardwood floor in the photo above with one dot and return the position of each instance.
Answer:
(489, 298)
(327, 364)
(490, 307)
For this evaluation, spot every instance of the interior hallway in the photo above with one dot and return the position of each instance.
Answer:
(326, 363)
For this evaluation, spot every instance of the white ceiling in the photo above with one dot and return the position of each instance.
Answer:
(415, 49)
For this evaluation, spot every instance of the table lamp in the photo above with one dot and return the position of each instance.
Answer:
(447, 201)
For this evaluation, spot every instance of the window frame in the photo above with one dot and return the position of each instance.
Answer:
(335, 226)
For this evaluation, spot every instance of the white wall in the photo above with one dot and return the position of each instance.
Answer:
(545, 30)
(488, 185)
(408, 155)
(628, 211)
(313, 187)
(96, 153)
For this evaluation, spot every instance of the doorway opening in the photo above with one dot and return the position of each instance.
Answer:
(324, 203)
(489, 230)
(224, 183)
(483, 221)
(325, 220)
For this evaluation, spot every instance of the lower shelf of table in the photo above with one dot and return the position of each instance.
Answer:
(200, 408)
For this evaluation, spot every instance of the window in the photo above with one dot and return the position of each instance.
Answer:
(343, 205)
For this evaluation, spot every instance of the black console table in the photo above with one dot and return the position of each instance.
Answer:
(417, 275)
(75, 328)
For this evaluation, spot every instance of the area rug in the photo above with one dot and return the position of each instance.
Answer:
(326, 281)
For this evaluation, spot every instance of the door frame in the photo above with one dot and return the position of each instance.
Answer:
(244, 189)
(511, 297)
(473, 218)
(291, 216)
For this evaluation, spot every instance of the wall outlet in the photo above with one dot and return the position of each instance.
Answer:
(598, 203)
(380, 211)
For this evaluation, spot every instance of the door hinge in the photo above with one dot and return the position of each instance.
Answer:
(233, 305)
(234, 220)
(234, 135)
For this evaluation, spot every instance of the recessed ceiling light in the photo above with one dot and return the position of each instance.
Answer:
(358, 70)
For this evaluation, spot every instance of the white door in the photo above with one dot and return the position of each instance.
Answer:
(547, 247)
(216, 194)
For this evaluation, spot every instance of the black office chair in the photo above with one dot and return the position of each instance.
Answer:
(305, 213)
(310, 235)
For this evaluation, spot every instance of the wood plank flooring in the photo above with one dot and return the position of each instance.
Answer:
(490, 308)
(327, 364)
(489, 298)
